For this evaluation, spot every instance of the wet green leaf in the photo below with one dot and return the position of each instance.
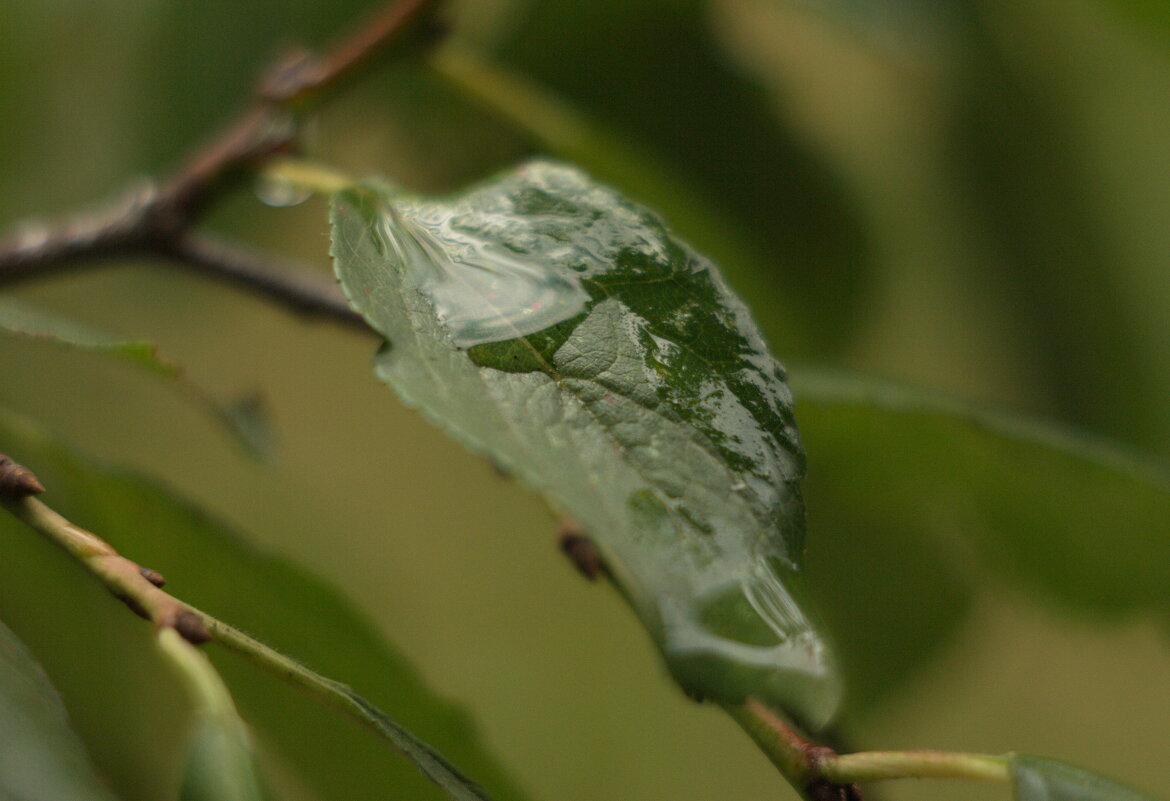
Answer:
(1037, 779)
(41, 759)
(1079, 521)
(114, 678)
(546, 321)
(244, 420)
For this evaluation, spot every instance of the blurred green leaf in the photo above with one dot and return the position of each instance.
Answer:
(1037, 779)
(654, 73)
(888, 588)
(245, 420)
(1080, 520)
(209, 567)
(221, 765)
(41, 759)
(22, 319)
(1018, 152)
(567, 133)
(548, 322)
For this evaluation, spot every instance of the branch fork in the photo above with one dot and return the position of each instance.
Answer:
(159, 218)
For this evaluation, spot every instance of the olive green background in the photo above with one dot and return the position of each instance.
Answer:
(966, 195)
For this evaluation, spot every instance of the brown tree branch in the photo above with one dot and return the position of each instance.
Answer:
(298, 289)
(158, 219)
(300, 79)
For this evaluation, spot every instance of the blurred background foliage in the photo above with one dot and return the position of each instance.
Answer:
(966, 195)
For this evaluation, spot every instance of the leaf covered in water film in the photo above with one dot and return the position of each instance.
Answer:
(546, 321)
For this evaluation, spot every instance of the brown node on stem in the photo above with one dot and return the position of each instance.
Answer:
(17, 481)
(822, 789)
(580, 549)
(153, 576)
(190, 627)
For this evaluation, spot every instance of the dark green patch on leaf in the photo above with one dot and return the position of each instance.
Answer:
(528, 354)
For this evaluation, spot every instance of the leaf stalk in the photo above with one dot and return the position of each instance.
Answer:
(819, 772)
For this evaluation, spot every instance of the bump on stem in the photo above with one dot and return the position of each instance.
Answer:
(17, 481)
(580, 550)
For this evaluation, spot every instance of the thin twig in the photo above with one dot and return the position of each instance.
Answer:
(140, 589)
(310, 77)
(297, 288)
(822, 774)
(136, 588)
(157, 219)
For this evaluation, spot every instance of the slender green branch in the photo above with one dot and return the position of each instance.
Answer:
(869, 766)
(296, 288)
(311, 176)
(140, 589)
(221, 761)
(343, 698)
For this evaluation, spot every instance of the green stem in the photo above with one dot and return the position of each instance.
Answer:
(309, 175)
(868, 766)
(139, 590)
(125, 579)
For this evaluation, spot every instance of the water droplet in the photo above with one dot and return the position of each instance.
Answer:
(750, 636)
(482, 292)
(275, 190)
